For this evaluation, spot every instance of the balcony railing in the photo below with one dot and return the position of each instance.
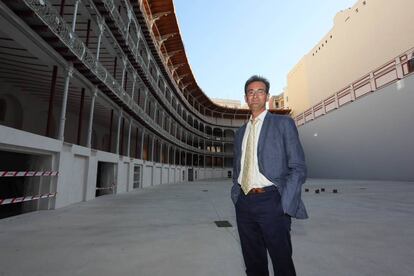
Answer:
(132, 46)
(48, 14)
(388, 73)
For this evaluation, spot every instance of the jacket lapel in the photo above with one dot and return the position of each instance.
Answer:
(239, 144)
(263, 133)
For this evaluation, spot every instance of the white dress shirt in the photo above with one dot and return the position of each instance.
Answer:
(259, 180)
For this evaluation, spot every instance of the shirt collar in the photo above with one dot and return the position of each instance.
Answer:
(260, 117)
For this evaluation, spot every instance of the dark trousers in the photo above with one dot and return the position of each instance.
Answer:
(263, 227)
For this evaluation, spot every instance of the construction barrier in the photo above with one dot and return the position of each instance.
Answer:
(106, 188)
(25, 198)
(27, 173)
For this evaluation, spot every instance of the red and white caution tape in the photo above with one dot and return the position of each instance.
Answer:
(27, 173)
(106, 188)
(5, 201)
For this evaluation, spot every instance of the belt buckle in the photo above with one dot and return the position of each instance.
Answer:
(257, 191)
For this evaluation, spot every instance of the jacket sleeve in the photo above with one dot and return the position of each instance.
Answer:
(296, 175)
(235, 156)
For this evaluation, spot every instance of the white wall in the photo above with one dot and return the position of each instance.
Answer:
(372, 138)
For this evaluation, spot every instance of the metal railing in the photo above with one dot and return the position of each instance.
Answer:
(116, 17)
(48, 14)
(147, 20)
(386, 74)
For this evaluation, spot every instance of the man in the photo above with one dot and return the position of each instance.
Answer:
(269, 170)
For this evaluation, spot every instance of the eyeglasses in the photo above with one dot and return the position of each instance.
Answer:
(258, 92)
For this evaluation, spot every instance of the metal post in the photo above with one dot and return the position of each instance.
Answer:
(133, 87)
(152, 149)
(91, 112)
(142, 144)
(110, 131)
(168, 154)
(122, 136)
(51, 100)
(129, 138)
(128, 25)
(145, 100)
(124, 61)
(138, 42)
(64, 103)
(80, 119)
(118, 132)
(136, 143)
(101, 31)
(75, 14)
(161, 153)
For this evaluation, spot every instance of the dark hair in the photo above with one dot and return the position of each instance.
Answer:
(257, 78)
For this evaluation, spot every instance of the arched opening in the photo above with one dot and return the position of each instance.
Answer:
(218, 133)
(229, 134)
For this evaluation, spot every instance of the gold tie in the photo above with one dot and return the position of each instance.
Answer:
(246, 180)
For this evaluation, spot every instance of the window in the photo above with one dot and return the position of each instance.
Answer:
(410, 69)
(137, 176)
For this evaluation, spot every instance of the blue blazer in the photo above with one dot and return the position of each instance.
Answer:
(281, 160)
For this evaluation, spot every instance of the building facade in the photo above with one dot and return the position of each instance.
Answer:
(227, 103)
(97, 97)
(277, 102)
(362, 39)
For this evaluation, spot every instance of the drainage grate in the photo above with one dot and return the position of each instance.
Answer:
(204, 190)
(223, 223)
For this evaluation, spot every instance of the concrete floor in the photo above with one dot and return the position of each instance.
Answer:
(365, 229)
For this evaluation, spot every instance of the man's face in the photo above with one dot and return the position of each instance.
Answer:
(256, 96)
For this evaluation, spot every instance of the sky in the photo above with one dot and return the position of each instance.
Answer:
(227, 41)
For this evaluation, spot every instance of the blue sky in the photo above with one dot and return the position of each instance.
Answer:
(227, 41)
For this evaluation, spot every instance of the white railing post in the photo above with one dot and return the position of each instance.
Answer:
(372, 82)
(352, 92)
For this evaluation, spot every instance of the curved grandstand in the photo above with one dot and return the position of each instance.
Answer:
(98, 97)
